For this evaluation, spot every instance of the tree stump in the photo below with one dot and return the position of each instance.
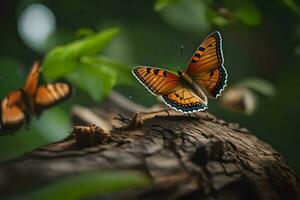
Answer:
(185, 156)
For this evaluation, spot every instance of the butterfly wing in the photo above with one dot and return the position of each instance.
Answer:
(17, 107)
(206, 66)
(185, 100)
(51, 94)
(213, 81)
(13, 111)
(157, 81)
(32, 80)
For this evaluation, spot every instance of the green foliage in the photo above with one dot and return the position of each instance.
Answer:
(124, 75)
(248, 13)
(9, 70)
(92, 78)
(91, 184)
(292, 5)
(53, 125)
(12, 146)
(217, 19)
(78, 62)
(62, 60)
(244, 11)
(84, 32)
(160, 4)
(176, 15)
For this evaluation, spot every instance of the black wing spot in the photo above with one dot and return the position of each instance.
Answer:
(156, 71)
(148, 70)
(211, 73)
(201, 49)
(197, 55)
(165, 73)
(177, 95)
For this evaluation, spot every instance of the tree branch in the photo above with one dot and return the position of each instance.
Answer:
(195, 156)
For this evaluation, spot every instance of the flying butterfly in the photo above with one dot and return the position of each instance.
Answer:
(188, 91)
(19, 106)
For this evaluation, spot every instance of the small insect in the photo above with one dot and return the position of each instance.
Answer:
(187, 91)
(91, 135)
(19, 106)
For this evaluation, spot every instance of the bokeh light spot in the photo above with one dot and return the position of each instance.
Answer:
(35, 25)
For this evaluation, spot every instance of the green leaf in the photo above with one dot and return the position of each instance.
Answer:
(84, 32)
(64, 59)
(54, 124)
(91, 184)
(15, 144)
(216, 18)
(124, 75)
(160, 4)
(187, 15)
(259, 85)
(248, 13)
(96, 80)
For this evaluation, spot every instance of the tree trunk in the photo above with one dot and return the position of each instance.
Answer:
(185, 156)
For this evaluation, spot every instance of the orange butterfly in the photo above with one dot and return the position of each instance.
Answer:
(18, 107)
(188, 91)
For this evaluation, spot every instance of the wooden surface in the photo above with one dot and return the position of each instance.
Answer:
(195, 156)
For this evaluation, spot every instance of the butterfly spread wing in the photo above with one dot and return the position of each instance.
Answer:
(51, 94)
(184, 100)
(13, 111)
(206, 66)
(17, 107)
(157, 81)
(32, 80)
(168, 86)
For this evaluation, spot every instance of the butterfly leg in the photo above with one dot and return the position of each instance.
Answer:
(140, 117)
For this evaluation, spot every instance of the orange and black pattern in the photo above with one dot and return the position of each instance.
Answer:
(188, 91)
(185, 100)
(51, 94)
(214, 81)
(206, 66)
(157, 81)
(18, 107)
(32, 80)
(13, 111)
(208, 56)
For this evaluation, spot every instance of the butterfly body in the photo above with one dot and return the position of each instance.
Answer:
(187, 91)
(188, 83)
(19, 106)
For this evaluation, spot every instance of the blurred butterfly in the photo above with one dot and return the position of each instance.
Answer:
(19, 106)
(187, 91)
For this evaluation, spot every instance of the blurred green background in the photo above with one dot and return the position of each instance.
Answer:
(94, 44)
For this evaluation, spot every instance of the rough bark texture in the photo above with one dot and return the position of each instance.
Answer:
(195, 156)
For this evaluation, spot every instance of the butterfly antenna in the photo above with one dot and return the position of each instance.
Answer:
(181, 50)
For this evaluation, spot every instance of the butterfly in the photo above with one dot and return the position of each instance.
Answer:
(19, 106)
(187, 91)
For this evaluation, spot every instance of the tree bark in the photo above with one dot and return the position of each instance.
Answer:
(185, 156)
